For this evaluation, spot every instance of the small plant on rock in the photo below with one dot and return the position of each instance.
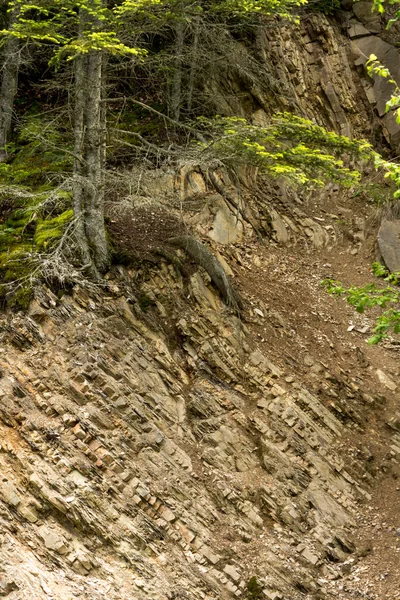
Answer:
(254, 589)
(371, 295)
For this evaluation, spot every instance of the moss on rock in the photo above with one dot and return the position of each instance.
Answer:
(48, 231)
(23, 233)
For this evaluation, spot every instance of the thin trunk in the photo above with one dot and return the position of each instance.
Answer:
(79, 165)
(176, 92)
(103, 118)
(193, 64)
(9, 85)
(94, 157)
(89, 163)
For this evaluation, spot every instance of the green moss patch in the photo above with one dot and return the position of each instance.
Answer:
(29, 229)
(48, 231)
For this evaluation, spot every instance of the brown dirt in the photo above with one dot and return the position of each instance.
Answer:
(139, 232)
(304, 327)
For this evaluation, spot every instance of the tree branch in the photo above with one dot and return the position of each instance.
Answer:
(184, 126)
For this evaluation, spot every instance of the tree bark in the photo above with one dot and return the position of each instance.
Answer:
(79, 180)
(202, 255)
(93, 156)
(9, 85)
(192, 75)
(176, 92)
(89, 163)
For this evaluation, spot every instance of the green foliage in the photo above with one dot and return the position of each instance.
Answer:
(370, 296)
(289, 146)
(379, 270)
(392, 171)
(49, 231)
(15, 266)
(283, 8)
(378, 6)
(37, 153)
(373, 192)
(145, 302)
(254, 589)
(225, 8)
(57, 23)
(34, 225)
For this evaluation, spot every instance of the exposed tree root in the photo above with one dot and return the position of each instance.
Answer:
(171, 258)
(201, 254)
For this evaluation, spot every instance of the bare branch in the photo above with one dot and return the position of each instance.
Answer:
(193, 130)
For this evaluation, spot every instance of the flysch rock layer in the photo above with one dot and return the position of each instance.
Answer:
(132, 466)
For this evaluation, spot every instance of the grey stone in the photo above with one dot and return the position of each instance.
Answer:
(9, 494)
(52, 540)
(382, 90)
(371, 45)
(209, 555)
(309, 556)
(279, 227)
(227, 229)
(391, 129)
(272, 595)
(357, 30)
(363, 12)
(374, 26)
(232, 572)
(167, 514)
(386, 380)
(389, 244)
(29, 512)
(346, 4)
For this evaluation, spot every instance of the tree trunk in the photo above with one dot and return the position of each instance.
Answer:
(93, 156)
(79, 179)
(201, 254)
(176, 92)
(89, 162)
(193, 66)
(9, 85)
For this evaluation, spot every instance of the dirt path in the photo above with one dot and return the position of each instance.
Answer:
(379, 532)
(306, 327)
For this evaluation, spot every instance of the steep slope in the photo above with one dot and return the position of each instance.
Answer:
(154, 444)
(176, 451)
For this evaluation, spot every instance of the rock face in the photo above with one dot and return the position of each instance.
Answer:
(153, 472)
(389, 244)
(318, 69)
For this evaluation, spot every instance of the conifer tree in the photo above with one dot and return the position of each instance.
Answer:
(83, 34)
(9, 82)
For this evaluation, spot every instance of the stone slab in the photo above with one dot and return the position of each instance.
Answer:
(389, 244)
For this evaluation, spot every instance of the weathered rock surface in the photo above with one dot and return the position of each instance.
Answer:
(389, 244)
(154, 471)
(319, 70)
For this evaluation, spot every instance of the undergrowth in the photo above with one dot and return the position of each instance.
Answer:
(365, 297)
(34, 209)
